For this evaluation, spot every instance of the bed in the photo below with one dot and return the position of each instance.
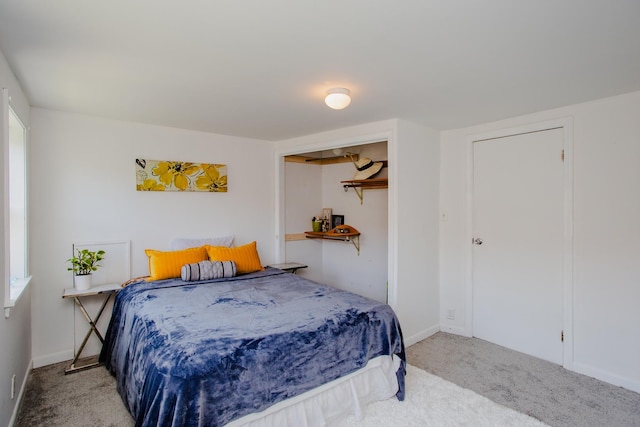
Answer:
(265, 348)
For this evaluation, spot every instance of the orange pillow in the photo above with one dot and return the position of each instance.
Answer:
(167, 265)
(246, 256)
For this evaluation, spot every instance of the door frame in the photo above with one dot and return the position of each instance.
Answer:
(566, 124)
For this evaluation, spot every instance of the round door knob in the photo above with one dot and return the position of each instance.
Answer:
(477, 241)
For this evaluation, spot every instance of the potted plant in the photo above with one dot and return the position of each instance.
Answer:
(316, 223)
(82, 265)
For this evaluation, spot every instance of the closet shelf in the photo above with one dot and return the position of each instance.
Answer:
(359, 185)
(352, 235)
(321, 160)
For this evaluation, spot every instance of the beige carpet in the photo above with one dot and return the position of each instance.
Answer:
(89, 398)
(85, 398)
(546, 391)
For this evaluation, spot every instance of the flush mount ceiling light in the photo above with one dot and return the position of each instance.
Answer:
(338, 98)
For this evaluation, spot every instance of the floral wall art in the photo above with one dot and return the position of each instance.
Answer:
(167, 175)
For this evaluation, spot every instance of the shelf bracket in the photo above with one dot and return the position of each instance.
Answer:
(359, 185)
(356, 242)
(359, 193)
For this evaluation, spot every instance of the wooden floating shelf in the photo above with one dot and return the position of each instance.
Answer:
(329, 235)
(352, 236)
(366, 183)
(321, 160)
(359, 185)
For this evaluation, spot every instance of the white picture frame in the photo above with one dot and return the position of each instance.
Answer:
(326, 214)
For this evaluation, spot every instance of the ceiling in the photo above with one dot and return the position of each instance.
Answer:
(260, 69)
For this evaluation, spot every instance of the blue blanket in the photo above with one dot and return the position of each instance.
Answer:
(206, 353)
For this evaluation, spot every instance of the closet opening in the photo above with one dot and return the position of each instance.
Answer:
(333, 185)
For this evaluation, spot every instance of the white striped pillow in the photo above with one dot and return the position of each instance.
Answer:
(207, 270)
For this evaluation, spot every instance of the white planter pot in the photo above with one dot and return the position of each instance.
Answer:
(82, 282)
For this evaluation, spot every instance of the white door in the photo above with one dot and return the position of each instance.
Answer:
(518, 218)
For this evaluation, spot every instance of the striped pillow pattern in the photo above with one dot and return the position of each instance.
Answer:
(207, 270)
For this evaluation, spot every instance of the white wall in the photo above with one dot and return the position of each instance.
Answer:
(83, 190)
(303, 196)
(15, 331)
(412, 209)
(415, 167)
(606, 336)
(365, 274)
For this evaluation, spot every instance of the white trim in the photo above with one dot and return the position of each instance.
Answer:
(424, 334)
(392, 212)
(390, 136)
(567, 279)
(279, 208)
(23, 388)
(20, 285)
(457, 330)
(13, 292)
(468, 301)
(4, 116)
(606, 376)
(50, 359)
(566, 124)
(125, 243)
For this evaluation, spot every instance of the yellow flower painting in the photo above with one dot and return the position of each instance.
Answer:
(168, 175)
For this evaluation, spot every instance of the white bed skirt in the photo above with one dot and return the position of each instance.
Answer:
(322, 405)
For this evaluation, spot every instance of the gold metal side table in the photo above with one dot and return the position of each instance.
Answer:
(107, 291)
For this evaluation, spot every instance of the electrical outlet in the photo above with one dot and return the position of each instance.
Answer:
(451, 314)
(13, 386)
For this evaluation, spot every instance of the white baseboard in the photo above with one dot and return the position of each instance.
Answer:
(50, 359)
(457, 330)
(23, 388)
(421, 335)
(606, 376)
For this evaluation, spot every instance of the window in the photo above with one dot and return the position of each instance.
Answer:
(15, 202)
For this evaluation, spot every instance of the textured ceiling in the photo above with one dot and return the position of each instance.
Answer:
(260, 69)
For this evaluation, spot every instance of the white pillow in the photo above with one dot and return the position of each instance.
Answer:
(181, 243)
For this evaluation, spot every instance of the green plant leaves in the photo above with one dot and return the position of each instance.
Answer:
(85, 261)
